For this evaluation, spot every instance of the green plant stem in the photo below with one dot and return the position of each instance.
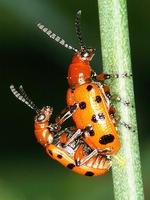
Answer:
(127, 178)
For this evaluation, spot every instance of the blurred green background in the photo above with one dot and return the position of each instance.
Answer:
(30, 58)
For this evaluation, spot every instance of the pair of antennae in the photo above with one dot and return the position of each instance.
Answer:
(22, 96)
(62, 41)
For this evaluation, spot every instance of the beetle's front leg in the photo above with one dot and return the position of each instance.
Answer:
(104, 76)
(65, 114)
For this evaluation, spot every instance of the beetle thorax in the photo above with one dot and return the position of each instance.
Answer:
(79, 71)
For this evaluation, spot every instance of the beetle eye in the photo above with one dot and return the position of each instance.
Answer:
(41, 117)
(84, 54)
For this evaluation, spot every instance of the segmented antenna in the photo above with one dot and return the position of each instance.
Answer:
(78, 29)
(55, 37)
(22, 96)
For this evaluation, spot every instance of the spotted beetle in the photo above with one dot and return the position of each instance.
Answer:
(53, 139)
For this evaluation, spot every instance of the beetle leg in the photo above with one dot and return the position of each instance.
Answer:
(103, 76)
(118, 120)
(67, 113)
(114, 97)
(95, 158)
(63, 138)
(64, 111)
(125, 124)
(88, 157)
(74, 137)
(79, 154)
(119, 99)
(112, 111)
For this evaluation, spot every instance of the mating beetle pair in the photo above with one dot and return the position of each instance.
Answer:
(87, 147)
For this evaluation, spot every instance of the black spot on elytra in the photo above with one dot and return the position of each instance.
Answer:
(101, 116)
(105, 139)
(82, 105)
(98, 99)
(70, 166)
(50, 152)
(89, 174)
(89, 87)
(59, 156)
(94, 119)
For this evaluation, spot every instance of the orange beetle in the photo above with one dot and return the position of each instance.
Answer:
(92, 115)
(53, 139)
